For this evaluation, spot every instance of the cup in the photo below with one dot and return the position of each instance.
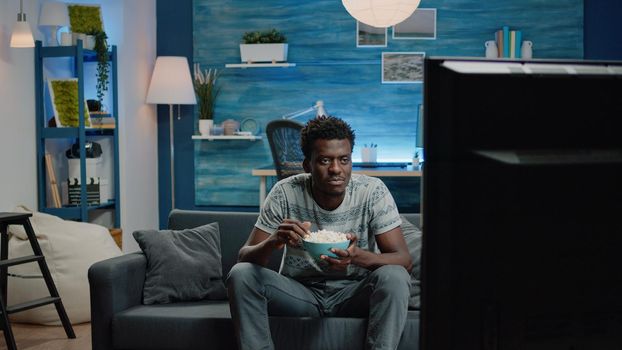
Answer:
(369, 154)
(65, 39)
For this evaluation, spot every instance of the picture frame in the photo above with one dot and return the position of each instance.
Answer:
(368, 36)
(64, 98)
(85, 18)
(421, 25)
(402, 67)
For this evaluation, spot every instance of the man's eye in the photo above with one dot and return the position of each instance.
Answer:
(324, 161)
(345, 160)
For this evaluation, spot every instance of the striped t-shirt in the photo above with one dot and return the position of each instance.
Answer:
(367, 210)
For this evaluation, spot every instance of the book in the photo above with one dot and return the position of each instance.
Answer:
(512, 44)
(499, 38)
(519, 41)
(506, 41)
(107, 122)
(49, 165)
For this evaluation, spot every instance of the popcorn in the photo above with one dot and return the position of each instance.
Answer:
(325, 236)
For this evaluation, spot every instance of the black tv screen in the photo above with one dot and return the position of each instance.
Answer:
(522, 205)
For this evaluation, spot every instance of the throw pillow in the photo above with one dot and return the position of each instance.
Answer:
(412, 236)
(182, 265)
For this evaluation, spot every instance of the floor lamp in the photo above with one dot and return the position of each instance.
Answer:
(171, 84)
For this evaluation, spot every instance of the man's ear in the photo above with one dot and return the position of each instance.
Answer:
(306, 166)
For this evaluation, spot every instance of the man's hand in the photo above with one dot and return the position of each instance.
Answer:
(290, 232)
(345, 257)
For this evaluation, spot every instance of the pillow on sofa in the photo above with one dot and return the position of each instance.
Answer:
(412, 236)
(182, 265)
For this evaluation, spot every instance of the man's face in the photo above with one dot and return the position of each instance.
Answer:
(330, 167)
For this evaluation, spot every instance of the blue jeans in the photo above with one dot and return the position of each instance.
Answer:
(256, 292)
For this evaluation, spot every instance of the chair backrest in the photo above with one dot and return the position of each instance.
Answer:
(284, 139)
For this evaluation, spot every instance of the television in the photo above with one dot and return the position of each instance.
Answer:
(522, 205)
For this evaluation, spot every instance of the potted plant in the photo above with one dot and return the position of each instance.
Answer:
(207, 92)
(263, 46)
(86, 20)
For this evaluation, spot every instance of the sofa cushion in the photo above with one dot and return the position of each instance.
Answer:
(182, 265)
(208, 325)
(184, 325)
(412, 236)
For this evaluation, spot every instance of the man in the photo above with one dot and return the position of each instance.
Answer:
(369, 279)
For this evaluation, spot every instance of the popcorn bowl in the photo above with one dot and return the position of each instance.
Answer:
(316, 249)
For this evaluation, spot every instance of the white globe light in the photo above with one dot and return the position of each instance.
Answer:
(380, 13)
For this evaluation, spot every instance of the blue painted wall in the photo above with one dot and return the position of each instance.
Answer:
(175, 35)
(330, 67)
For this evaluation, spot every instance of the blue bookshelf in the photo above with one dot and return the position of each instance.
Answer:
(80, 134)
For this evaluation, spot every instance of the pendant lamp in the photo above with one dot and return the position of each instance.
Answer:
(380, 13)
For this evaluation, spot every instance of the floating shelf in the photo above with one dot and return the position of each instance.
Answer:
(225, 137)
(259, 65)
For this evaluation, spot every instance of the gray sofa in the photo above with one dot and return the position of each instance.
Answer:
(119, 320)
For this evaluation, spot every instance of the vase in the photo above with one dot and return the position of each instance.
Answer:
(205, 125)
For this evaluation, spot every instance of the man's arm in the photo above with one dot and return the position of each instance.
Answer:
(260, 244)
(392, 247)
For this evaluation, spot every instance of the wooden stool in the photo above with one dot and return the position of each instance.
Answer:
(7, 219)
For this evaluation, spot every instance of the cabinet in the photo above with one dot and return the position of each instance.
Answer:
(80, 135)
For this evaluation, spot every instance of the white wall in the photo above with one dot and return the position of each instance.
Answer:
(131, 25)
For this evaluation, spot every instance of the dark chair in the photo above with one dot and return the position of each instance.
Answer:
(284, 138)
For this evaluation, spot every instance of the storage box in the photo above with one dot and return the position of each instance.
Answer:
(92, 165)
(92, 191)
(105, 192)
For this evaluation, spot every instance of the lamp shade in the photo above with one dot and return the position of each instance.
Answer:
(22, 35)
(380, 13)
(171, 82)
(54, 14)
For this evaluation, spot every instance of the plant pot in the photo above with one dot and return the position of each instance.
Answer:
(250, 53)
(205, 125)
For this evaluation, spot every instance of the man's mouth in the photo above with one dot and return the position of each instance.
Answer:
(336, 181)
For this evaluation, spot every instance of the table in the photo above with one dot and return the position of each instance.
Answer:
(265, 171)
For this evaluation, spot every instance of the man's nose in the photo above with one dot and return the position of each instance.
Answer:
(335, 167)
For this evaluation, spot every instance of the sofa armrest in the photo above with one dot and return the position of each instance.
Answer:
(116, 284)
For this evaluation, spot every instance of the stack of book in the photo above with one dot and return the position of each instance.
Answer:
(103, 121)
(509, 42)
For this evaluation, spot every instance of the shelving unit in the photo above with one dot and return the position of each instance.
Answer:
(259, 65)
(80, 134)
(225, 137)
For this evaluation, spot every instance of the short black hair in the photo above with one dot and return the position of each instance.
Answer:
(324, 128)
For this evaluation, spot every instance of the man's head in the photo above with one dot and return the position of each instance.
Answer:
(327, 144)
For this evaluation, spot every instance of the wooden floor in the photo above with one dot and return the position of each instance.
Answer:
(33, 337)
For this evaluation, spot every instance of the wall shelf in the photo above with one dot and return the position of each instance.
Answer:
(225, 137)
(260, 65)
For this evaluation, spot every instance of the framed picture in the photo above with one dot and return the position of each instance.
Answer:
(402, 67)
(85, 18)
(368, 36)
(64, 97)
(420, 25)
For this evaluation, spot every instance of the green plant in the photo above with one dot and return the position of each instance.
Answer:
(85, 18)
(103, 68)
(65, 93)
(266, 37)
(206, 90)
